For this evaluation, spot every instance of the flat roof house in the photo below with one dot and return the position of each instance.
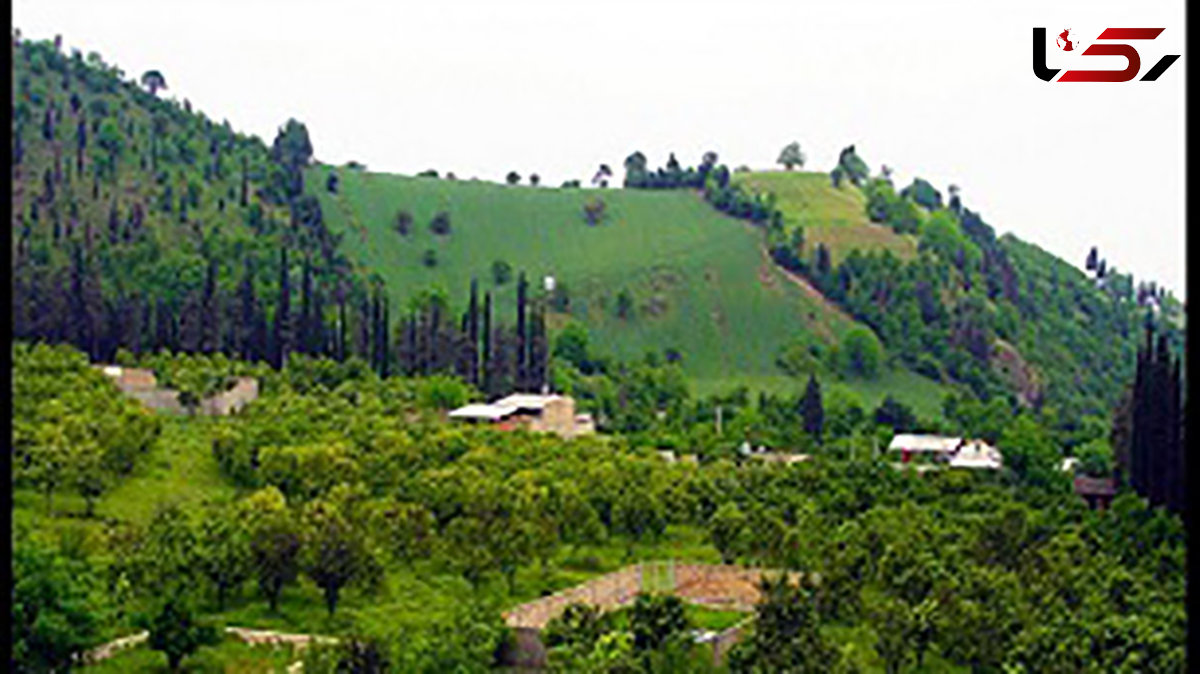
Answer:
(936, 447)
(952, 451)
(551, 413)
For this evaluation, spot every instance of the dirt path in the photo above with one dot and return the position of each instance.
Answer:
(805, 286)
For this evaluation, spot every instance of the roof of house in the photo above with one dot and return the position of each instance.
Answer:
(129, 377)
(527, 401)
(923, 443)
(781, 457)
(491, 412)
(1094, 486)
(976, 454)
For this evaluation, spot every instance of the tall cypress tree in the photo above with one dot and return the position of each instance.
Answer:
(522, 341)
(318, 329)
(472, 330)
(243, 197)
(432, 341)
(539, 350)
(375, 318)
(362, 345)
(162, 325)
(813, 410)
(247, 314)
(1157, 453)
(1174, 443)
(211, 322)
(341, 328)
(306, 313)
(408, 346)
(283, 321)
(487, 343)
(384, 356)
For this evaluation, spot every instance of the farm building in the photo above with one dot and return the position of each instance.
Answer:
(933, 447)
(549, 413)
(952, 452)
(976, 454)
(142, 385)
(1098, 492)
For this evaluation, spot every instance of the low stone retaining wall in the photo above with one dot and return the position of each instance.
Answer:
(246, 635)
(717, 586)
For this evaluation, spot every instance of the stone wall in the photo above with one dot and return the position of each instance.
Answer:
(142, 386)
(244, 391)
(717, 586)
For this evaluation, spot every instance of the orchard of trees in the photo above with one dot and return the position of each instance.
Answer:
(346, 479)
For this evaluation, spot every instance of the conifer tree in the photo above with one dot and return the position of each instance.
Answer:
(486, 349)
(283, 322)
(812, 409)
(472, 331)
(522, 342)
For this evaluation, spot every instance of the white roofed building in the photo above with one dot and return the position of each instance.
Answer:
(977, 454)
(954, 452)
(931, 447)
(537, 412)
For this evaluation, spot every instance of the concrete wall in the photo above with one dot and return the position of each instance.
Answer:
(718, 586)
(558, 416)
(244, 391)
(141, 385)
(159, 400)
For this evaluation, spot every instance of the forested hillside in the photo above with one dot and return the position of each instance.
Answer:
(141, 224)
(954, 301)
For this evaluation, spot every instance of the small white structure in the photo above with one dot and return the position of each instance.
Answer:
(954, 452)
(1068, 464)
(977, 454)
(548, 283)
(936, 447)
(536, 412)
(482, 412)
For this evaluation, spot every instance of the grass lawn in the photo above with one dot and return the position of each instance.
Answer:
(180, 469)
(834, 217)
(920, 393)
(699, 279)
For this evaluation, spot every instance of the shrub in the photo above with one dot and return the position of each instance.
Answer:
(861, 353)
(501, 272)
(440, 224)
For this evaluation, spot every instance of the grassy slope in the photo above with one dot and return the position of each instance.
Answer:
(700, 280)
(834, 217)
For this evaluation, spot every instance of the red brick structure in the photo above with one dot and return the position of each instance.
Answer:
(1097, 491)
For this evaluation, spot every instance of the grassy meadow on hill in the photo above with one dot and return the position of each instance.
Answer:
(834, 217)
(700, 280)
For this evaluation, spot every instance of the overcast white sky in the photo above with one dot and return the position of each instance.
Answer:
(944, 90)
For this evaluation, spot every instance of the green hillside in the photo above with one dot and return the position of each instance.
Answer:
(141, 224)
(701, 281)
